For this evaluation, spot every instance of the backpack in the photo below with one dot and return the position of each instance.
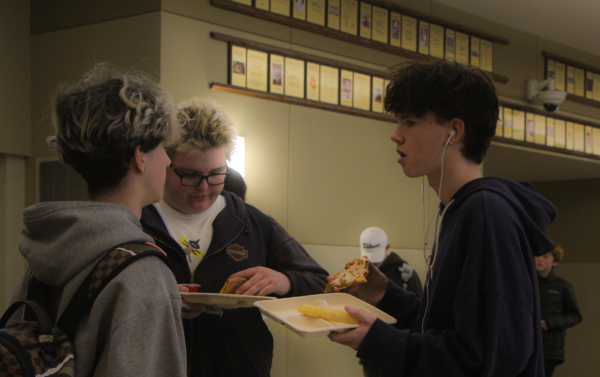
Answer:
(34, 347)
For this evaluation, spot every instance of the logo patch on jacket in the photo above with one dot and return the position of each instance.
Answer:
(237, 252)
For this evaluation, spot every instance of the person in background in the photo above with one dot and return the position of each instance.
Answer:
(480, 312)
(374, 245)
(210, 234)
(234, 182)
(559, 308)
(111, 127)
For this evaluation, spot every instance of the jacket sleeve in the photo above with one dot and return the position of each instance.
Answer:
(570, 313)
(491, 320)
(400, 304)
(414, 285)
(287, 256)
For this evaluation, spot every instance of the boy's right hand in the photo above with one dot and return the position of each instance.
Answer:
(372, 291)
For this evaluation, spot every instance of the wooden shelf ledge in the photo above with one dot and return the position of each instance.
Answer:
(336, 34)
(302, 102)
(391, 119)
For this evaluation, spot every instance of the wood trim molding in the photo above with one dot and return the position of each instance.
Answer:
(533, 110)
(336, 34)
(570, 61)
(302, 102)
(527, 145)
(299, 55)
(391, 119)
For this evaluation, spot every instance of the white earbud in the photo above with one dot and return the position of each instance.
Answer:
(452, 133)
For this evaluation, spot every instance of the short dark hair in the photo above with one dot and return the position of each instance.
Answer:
(449, 90)
(99, 121)
(234, 183)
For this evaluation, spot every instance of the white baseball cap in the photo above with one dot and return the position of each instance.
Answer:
(373, 242)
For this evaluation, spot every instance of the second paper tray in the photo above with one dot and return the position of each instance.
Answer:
(285, 311)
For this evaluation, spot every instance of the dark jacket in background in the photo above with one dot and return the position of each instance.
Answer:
(392, 268)
(560, 311)
(238, 343)
(480, 315)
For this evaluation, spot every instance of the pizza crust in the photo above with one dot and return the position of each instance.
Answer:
(355, 273)
(232, 284)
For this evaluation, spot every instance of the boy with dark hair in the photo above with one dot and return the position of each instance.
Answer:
(559, 308)
(479, 314)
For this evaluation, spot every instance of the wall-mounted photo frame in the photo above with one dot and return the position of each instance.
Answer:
(362, 91)
(378, 94)
(313, 86)
(315, 12)
(330, 85)
(333, 14)
(277, 74)
(380, 24)
(258, 70)
(347, 88)
(349, 16)
(238, 66)
(366, 21)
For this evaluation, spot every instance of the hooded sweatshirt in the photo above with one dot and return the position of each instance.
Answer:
(238, 343)
(480, 313)
(134, 327)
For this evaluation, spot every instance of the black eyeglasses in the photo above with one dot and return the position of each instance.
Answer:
(193, 180)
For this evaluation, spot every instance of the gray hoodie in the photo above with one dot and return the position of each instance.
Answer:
(134, 327)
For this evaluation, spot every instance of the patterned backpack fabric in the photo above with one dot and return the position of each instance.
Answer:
(35, 347)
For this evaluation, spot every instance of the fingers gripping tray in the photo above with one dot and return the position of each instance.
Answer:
(285, 311)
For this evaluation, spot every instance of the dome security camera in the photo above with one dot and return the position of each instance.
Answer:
(549, 97)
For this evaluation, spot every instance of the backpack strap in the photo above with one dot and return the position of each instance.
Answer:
(107, 269)
(264, 221)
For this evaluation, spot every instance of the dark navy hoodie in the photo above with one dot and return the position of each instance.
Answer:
(480, 315)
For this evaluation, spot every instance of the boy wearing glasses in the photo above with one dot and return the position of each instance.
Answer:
(210, 235)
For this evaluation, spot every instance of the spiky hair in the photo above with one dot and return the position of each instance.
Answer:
(204, 125)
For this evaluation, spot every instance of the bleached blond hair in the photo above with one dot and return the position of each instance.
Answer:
(99, 121)
(204, 124)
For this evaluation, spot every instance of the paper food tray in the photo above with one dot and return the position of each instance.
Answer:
(286, 311)
(222, 300)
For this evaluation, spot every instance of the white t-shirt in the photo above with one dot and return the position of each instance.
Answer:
(192, 232)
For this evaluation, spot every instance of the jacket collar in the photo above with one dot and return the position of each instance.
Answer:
(392, 259)
(228, 224)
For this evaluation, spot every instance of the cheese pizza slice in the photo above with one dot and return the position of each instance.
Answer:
(355, 273)
(231, 285)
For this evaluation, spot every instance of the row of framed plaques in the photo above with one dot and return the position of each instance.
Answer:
(574, 80)
(544, 130)
(279, 74)
(366, 20)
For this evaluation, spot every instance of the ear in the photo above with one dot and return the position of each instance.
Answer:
(458, 126)
(137, 160)
(387, 247)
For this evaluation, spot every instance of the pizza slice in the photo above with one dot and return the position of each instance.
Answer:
(232, 284)
(355, 273)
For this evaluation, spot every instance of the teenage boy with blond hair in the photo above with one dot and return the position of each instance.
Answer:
(559, 308)
(210, 235)
(479, 314)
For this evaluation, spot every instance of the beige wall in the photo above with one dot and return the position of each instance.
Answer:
(578, 222)
(15, 138)
(15, 130)
(324, 176)
(583, 340)
(12, 200)
(64, 55)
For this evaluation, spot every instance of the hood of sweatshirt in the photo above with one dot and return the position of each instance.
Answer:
(535, 212)
(61, 238)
